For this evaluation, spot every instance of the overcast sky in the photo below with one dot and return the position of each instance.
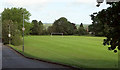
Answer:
(76, 11)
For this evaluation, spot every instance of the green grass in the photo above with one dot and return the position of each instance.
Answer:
(78, 51)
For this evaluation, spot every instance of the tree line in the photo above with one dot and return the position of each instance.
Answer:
(62, 25)
(12, 22)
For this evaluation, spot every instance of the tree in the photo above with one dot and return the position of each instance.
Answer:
(110, 20)
(37, 28)
(41, 28)
(45, 32)
(73, 28)
(81, 30)
(28, 27)
(81, 25)
(50, 29)
(113, 22)
(97, 26)
(62, 25)
(16, 15)
(15, 33)
(91, 29)
(14, 18)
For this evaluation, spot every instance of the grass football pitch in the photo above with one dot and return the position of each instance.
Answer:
(78, 51)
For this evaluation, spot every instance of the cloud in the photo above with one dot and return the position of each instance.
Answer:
(34, 4)
(25, 3)
(85, 1)
(31, 5)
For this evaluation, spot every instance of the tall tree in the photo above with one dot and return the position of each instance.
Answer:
(41, 28)
(81, 30)
(50, 29)
(109, 20)
(81, 25)
(28, 27)
(15, 38)
(113, 21)
(62, 25)
(97, 26)
(37, 28)
(16, 15)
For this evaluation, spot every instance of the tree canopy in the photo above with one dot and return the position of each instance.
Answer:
(107, 23)
(62, 25)
(81, 30)
(16, 15)
(37, 28)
